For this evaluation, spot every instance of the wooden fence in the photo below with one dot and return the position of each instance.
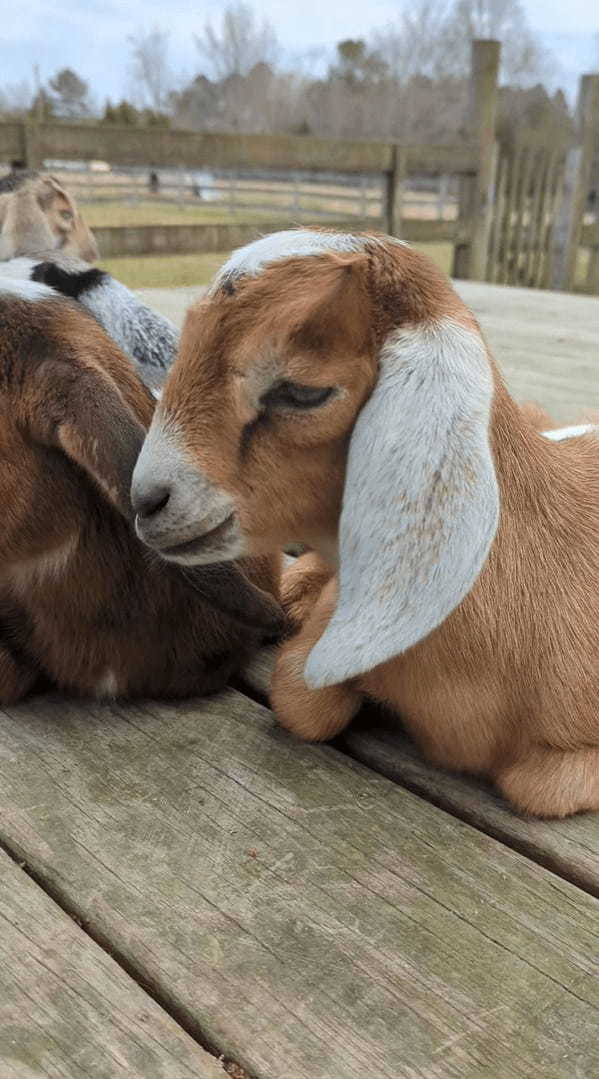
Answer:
(519, 220)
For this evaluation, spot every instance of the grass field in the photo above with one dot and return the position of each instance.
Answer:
(171, 271)
(112, 214)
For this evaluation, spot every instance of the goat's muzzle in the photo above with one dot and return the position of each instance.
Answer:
(179, 513)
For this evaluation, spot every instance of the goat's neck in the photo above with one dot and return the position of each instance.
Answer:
(527, 464)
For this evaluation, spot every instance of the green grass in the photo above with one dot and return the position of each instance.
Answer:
(173, 271)
(164, 271)
(112, 214)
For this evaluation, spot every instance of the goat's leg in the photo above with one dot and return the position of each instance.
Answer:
(301, 585)
(16, 678)
(315, 715)
(550, 782)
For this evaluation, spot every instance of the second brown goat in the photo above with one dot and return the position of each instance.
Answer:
(83, 606)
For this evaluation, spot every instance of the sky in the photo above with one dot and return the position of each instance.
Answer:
(91, 36)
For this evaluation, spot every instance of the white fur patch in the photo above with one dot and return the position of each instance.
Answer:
(24, 289)
(283, 245)
(562, 433)
(21, 267)
(421, 502)
(107, 685)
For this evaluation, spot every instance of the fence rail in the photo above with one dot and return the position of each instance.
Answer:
(187, 239)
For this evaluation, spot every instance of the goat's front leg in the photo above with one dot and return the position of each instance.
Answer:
(550, 782)
(315, 715)
(301, 585)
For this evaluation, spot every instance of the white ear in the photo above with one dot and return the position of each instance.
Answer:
(420, 505)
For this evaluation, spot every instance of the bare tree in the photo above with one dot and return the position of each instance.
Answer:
(69, 93)
(414, 44)
(523, 59)
(239, 45)
(150, 71)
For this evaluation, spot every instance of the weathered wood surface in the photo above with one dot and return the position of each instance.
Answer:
(122, 240)
(569, 847)
(171, 149)
(546, 343)
(67, 1009)
(310, 917)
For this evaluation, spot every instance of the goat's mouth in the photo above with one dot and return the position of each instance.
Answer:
(221, 543)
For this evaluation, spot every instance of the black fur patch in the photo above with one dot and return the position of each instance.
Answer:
(69, 283)
(15, 179)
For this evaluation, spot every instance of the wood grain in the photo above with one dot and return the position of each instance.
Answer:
(67, 1009)
(569, 847)
(314, 920)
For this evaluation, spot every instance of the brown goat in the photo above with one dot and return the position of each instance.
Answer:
(38, 215)
(334, 390)
(83, 605)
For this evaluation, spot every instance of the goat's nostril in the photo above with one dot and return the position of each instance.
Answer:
(151, 502)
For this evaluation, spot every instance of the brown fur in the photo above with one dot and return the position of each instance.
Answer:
(82, 603)
(508, 685)
(38, 215)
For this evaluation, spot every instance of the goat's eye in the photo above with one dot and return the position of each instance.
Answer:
(293, 395)
(66, 215)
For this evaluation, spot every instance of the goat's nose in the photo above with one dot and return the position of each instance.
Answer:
(148, 501)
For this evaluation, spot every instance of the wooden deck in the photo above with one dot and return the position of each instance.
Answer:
(184, 889)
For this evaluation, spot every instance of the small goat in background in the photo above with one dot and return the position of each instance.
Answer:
(334, 390)
(37, 214)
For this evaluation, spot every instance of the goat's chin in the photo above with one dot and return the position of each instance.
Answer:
(225, 545)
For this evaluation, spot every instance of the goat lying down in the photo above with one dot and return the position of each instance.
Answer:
(334, 390)
(148, 338)
(83, 605)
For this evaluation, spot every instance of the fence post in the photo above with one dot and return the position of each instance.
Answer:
(592, 281)
(570, 214)
(30, 144)
(477, 192)
(394, 192)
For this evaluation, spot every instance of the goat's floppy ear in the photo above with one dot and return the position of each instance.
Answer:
(24, 227)
(225, 587)
(81, 411)
(421, 502)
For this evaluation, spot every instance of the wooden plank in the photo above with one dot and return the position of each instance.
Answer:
(177, 239)
(533, 236)
(592, 276)
(498, 219)
(577, 176)
(569, 847)
(589, 236)
(522, 210)
(11, 141)
(484, 90)
(313, 918)
(548, 214)
(459, 159)
(67, 1009)
(165, 148)
(507, 261)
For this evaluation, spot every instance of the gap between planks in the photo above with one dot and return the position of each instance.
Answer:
(569, 848)
(187, 1023)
